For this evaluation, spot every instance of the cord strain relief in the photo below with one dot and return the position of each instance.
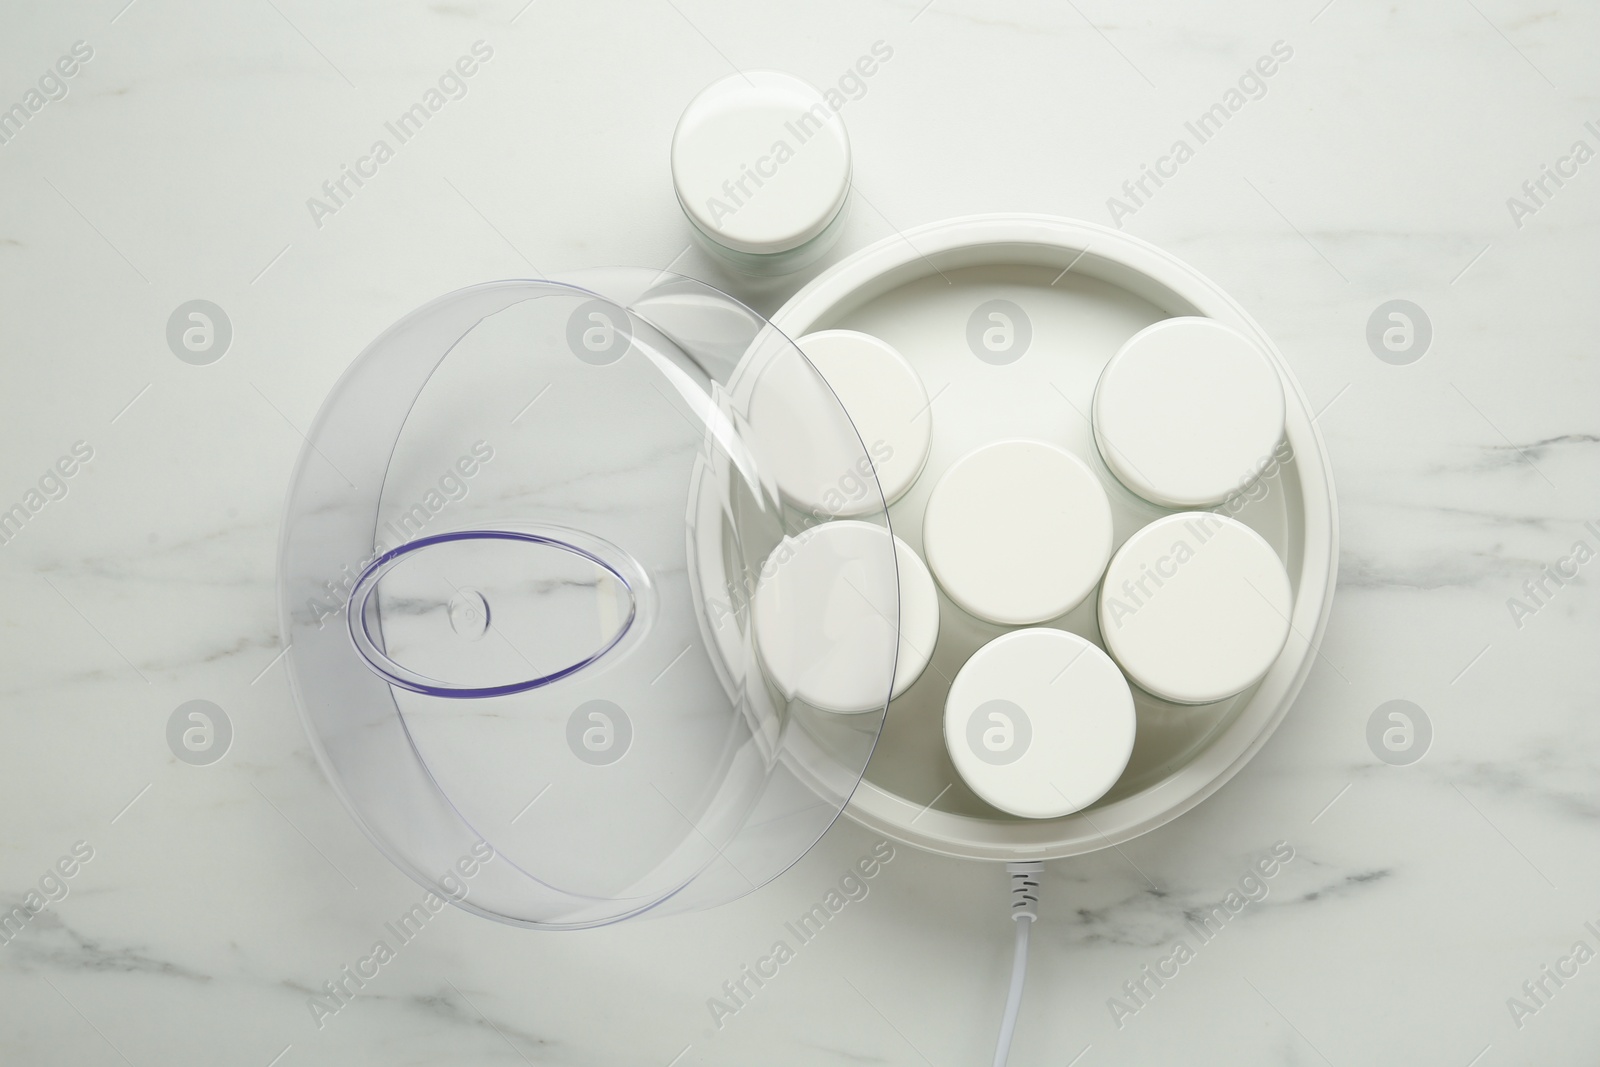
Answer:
(1024, 888)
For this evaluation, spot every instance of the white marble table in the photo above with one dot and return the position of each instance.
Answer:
(1374, 164)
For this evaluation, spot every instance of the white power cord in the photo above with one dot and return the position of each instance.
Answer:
(1024, 910)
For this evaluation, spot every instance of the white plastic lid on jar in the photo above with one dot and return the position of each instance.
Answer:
(1195, 607)
(1188, 412)
(761, 163)
(1018, 532)
(825, 613)
(887, 403)
(1040, 723)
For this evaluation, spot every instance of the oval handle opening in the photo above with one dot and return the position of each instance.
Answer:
(483, 613)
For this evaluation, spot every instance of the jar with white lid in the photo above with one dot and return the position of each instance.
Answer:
(761, 166)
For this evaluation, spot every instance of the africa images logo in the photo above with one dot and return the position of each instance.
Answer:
(851, 887)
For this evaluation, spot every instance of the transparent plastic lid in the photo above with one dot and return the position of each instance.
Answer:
(521, 560)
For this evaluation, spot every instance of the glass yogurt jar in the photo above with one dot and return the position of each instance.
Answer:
(761, 165)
